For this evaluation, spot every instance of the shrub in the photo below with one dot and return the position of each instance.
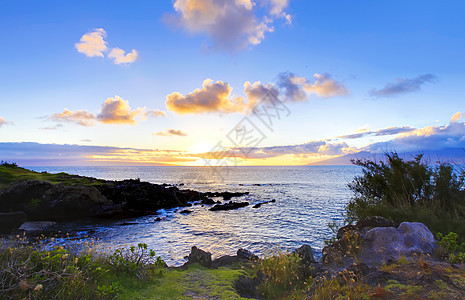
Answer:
(29, 270)
(410, 190)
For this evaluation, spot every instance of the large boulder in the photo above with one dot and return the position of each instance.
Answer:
(199, 256)
(69, 202)
(380, 244)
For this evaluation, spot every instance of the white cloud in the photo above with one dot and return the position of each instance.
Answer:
(93, 43)
(231, 25)
(119, 57)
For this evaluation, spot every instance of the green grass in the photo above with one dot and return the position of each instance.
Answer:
(196, 282)
(10, 173)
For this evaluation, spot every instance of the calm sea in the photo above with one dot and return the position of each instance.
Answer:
(307, 199)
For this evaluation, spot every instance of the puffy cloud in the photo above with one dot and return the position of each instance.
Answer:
(171, 132)
(117, 111)
(298, 89)
(119, 56)
(456, 117)
(380, 132)
(93, 43)
(212, 97)
(230, 24)
(4, 122)
(257, 92)
(114, 111)
(325, 86)
(402, 86)
(80, 117)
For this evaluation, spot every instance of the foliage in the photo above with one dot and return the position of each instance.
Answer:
(282, 273)
(410, 190)
(29, 270)
(10, 172)
(452, 250)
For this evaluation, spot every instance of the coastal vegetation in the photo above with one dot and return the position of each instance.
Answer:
(394, 190)
(410, 190)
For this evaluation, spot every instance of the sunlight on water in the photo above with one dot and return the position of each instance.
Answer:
(307, 199)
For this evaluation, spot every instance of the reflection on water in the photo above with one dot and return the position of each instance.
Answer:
(307, 199)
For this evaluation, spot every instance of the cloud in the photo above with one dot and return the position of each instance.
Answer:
(402, 86)
(114, 111)
(257, 92)
(152, 113)
(380, 132)
(93, 43)
(212, 97)
(313, 148)
(80, 117)
(119, 56)
(326, 87)
(36, 154)
(170, 132)
(216, 96)
(117, 111)
(230, 24)
(451, 135)
(457, 117)
(52, 127)
(298, 89)
(4, 122)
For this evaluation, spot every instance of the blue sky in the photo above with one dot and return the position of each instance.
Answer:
(379, 64)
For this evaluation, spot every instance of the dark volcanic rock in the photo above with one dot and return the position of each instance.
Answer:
(306, 253)
(229, 206)
(246, 254)
(23, 194)
(226, 195)
(372, 222)
(258, 205)
(186, 212)
(12, 220)
(70, 202)
(200, 256)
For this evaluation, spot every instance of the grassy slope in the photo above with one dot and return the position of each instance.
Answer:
(9, 174)
(194, 283)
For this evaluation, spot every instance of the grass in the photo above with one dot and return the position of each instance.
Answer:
(10, 172)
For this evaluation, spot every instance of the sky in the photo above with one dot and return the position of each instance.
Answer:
(228, 82)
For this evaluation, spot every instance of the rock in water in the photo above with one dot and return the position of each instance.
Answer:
(306, 253)
(36, 226)
(200, 256)
(229, 206)
(246, 254)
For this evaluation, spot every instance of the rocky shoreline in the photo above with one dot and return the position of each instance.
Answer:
(40, 201)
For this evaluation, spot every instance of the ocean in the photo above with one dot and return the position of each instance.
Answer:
(307, 199)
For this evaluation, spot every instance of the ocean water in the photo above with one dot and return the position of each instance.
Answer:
(307, 199)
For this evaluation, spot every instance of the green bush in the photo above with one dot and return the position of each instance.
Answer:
(451, 249)
(31, 271)
(410, 190)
